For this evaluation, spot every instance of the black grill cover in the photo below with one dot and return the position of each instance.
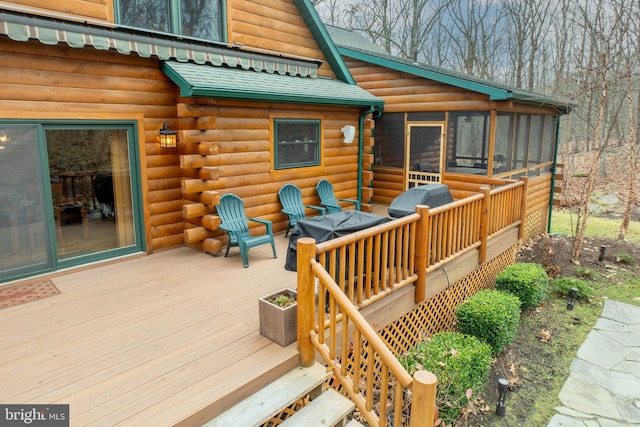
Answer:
(432, 195)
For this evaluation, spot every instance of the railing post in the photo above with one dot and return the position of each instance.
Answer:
(484, 223)
(306, 251)
(523, 208)
(423, 401)
(422, 252)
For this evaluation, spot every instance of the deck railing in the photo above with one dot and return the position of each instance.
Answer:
(339, 277)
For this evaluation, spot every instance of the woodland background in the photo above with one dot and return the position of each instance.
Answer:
(584, 52)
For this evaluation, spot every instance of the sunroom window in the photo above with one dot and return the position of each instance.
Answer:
(297, 143)
(468, 142)
(193, 18)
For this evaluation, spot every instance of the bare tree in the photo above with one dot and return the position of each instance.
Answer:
(632, 66)
(530, 23)
(474, 31)
(606, 28)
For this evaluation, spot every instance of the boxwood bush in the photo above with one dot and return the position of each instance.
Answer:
(491, 316)
(563, 285)
(528, 281)
(460, 362)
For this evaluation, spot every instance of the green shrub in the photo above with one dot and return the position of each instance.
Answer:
(563, 285)
(625, 258)
(527, 281)
(585, 272)
(491, 316)
(460, 362)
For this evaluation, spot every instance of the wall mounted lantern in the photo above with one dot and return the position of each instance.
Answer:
(348, 132)
(168, 137)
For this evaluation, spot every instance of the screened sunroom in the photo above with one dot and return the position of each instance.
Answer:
(487, 143)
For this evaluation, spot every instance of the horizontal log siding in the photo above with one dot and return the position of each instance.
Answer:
(403, 92)
(274, 25)
(240, 133)
(61, 82)
(100, 10)
(539, 193)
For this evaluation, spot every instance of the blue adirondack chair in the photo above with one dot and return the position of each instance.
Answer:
(291, 200)
(236, 224)
(328, 198)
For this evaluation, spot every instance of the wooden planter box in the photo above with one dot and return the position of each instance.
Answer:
(276, 323)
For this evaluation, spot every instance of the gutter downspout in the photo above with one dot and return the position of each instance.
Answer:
(553, 176)
(377, 113)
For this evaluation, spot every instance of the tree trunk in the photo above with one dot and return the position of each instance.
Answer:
(633, 172)
(583, 211)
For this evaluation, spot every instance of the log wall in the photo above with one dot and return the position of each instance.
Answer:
(404, 92)
(274, 25)
(226, 148)
(98, 10)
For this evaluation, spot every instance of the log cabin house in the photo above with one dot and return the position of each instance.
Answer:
(256, 93)
(90, 88)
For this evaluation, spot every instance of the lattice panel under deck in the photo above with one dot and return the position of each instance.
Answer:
(438, 313)
(536, 223)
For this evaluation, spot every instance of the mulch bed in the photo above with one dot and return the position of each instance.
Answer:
(21, 293)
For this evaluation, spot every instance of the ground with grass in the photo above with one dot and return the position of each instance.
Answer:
(537, 363)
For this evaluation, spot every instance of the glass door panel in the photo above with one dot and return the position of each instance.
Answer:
(24, 245)
(91, 188)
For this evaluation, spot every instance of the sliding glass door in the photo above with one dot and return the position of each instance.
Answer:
(24, 242)
(76, 197)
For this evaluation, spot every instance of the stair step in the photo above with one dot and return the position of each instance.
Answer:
(326, 410)
(270, 400)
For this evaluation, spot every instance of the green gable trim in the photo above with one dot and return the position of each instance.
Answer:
(324, 40)
(494, 91)
(234, 83)
(22, 28)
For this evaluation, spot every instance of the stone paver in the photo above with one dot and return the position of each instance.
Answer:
(603, 387)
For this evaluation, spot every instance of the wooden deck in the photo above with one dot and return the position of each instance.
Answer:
(168, 338)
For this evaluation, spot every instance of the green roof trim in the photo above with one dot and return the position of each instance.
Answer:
(324, 40)
(349, 42)
(197, 80)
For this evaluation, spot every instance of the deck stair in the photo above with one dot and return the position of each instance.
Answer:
(326, 408)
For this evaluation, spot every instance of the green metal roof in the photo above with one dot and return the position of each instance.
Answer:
(354, 45)
(233, 83)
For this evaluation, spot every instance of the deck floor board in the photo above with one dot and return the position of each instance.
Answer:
(151, 340)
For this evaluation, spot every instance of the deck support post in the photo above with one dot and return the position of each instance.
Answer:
(421, 252)
(306, 251)
(484, 223)
(523, 212)
(423, 402)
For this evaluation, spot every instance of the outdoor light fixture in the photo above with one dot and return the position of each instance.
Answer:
(349, 132)
(501, 407)
(573, 293)
(603, 249)
(168, 137)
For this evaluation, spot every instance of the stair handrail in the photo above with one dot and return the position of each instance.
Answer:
(393, 378)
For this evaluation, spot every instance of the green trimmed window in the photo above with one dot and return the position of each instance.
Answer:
(297, 143)
(200, 19)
